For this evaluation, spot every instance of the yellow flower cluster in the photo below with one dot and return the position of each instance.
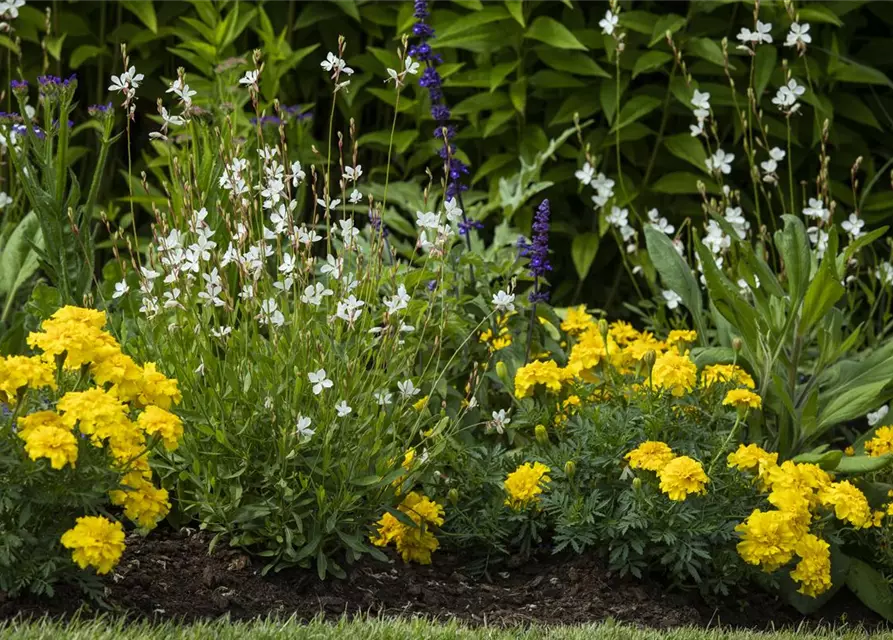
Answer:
(679, 476)
(525, 484)
(414, 543)
(743, 399)
(674, 373)
(499, 339)
(73, 339)
(798, 491)
(881, 443)
(546, 373)
(724, 374)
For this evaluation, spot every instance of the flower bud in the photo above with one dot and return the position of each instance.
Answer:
(570, 469)
(453, 497)
(603, 328)
(502, 372)
(737, 344)
(648, 359)
(542, 436)
(637, 483)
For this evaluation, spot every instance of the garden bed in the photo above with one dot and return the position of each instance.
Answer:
(171, 577)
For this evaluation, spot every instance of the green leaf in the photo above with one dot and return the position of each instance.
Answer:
(402, 139)
(823, 293)
(578, 103)
(828, 460)
(674, 272)
(683, 182)
(497, 120)
(516, 9)
(860, 465)
(492, 13)
(548, 79)
(6, 43)
(638, 21)
(486, 101)
(583, 250)
(708, 50)
(687, 148)
(84, 53)
(635, 109)
(705, 356)
(793, 245)
(571, 61)
(145, 11)
(856, 73)
(54, 46)
(518, 94)
(848, 405)
(871, 588)
(18, 258)
(499, 73)
(650, 61)
(670, 22)
(764, 65)
(852, 107)
(814, 12)
(553, 33)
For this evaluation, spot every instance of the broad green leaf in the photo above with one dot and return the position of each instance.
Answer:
(635, 109)
(83, 53)
(482, 102)
(708, 50)
(823, 293)
(815, 12)
(497, 120)
(499, 73)
(871, 588)
(516, 9)
(518, 94)
(687, 148)
(705, 356)
(793, 245)
(18, 258)
(583, 250)
(492, 13)
(575, 62)
(670, 22)
(479, 38)
(683, 182)
(674, 272)
(829, 460)
(7, 43)
(848, 405)
(852, 107)
(578, 103)
(863, 241)
(860, 465)
(54, 45)
(650, 61)
(402, 139)
(638, 21)
(856, 73)
(145, 11)
(553, 33)
(548, 79)
(764, 64)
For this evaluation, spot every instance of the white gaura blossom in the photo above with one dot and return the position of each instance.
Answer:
(398, 301)
(885, 273)
(427, 220)
(618, 217)
(499, 421)
(672, 298)
(720, 161)
(250, 78)
(320, 381)
(121, 289)
(503, 301)
(608, 23)
(853, 225)
(383, 398)
(128, 81)
(716, 239)
(586, 174)
(349, 309)
(875, 417)
(798, 35)
(453, 212)
(770, 166)
(335, 65)
(819, 239)
(739, 223)
(313, 294)
(787, 95)
(659, 223)
(270, 313)
(817, 209)
(343, 409)
(407, 389)
(302, 427)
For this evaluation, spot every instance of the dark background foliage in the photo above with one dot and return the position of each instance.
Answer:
(516, 73)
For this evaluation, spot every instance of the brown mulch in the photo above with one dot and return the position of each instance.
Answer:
(165, 577)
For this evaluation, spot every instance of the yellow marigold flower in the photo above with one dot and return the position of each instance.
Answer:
(850, 504)
(87, 317)
(547, 373)
(81, 342)
(681, 476)
(794, 504)
(650, 456)
(143, 503)
(121, 372)
(813, 572)
(128, 446)
(413, 543)
(677, 336)
(646, 342)
(408, 458)
(525, 484)
(96, 412)
(571, 403)
(577, 320)
(19, 372)
(158, 389)
(96, 542)
(421, 403)
(805, 479)
(59, 446)
(39, 419)
(742, 399)
(154, 420)
(849, 451)
(768, 539)
(726, 373)
(750, 457)
(675, 373)
(623, 332)
(881, 443)
(878, 518)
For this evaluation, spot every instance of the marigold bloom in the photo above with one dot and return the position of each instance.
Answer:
(95, 411)
(96, 542)
(589, 351)
(813, 572)
(87, 317)
(644, 342)
(768, 539)
(805, 479)
(18, 372)
(158, 389)
(547, 373)
(850, 504)
(414, 543)
(577, 320)
(682, 476)
(121, 372)
(677, 336)
(81, 342)
(623, 332)
(675, 373)
(750, 456)
(59, 446)
(155, 420)
(39, 419)
(525, 484)
(726, 373)
(143, 503)
(650, 456)
(881, 443)
(742, 399)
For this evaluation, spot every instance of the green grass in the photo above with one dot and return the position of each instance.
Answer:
(378, 629)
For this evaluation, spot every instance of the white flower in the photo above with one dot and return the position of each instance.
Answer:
(382, 397)
(355, 196)
(429, 220)
(407, 389)
(819, 239)
(222, 332)
(720, 161)
(399, 301)
(250, 78)
(762, 32)
(313, 294)
(696, 129)
(334, 64)
(799, 34)
(608, 23)
(618, 217)
(352, 174)
(319, 380)
(453, 212)
(348, 231)
(586, 174)
(349, 309)
(876, 416)
(171, 120)
(172, 299)
(328, 204)
(885, 273)
(701, 100)
(121, 288)
(247, 292)
(503, 301)
(661, 224)
(735, 218)
(853, 225)
(817, 209)
(343, 409)
(787, 95)
(127, 81)
(307, 237)
(332, 267)
(270, 314)
(673, 299)
(716, 240)
(10, 8)
(4, 200)
(412, 67)
(149, 306)
(302, 427)
(499, 421)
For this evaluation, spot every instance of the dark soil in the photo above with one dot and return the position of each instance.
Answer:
(174, 577)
